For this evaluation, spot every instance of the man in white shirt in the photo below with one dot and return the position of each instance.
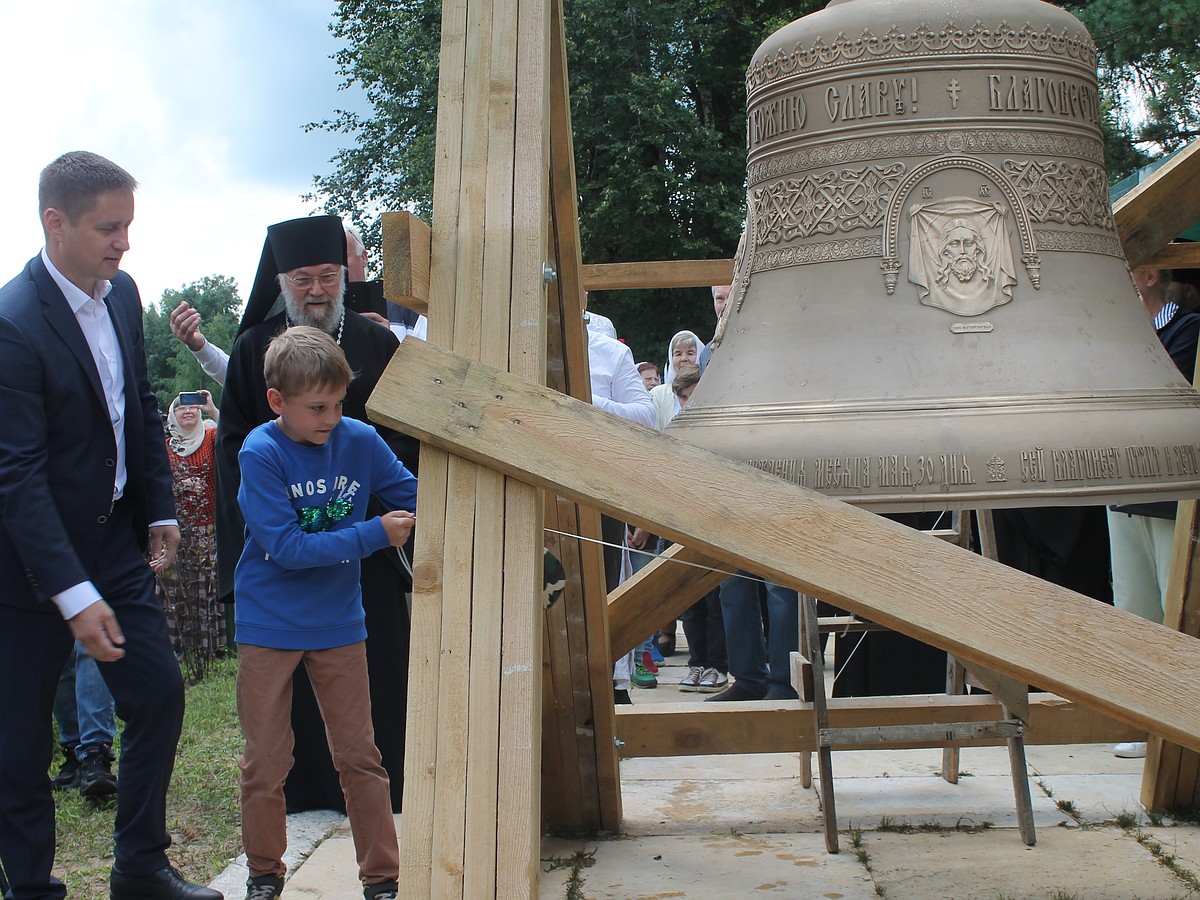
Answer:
(617, 388)
(85, 500)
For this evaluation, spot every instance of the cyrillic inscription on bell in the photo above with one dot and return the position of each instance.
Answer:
(931, 308)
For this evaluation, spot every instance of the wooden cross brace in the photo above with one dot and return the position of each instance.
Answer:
(979, 610)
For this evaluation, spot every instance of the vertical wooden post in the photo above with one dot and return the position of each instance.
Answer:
(583, 789)
(471, 822)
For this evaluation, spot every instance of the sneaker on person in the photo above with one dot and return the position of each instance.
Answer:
(384, 890)
(691, 681)
(68, 776)
(712, 681)
(648, 663)
(1130, 750)
(642, 678)
(96, 779)
(264, 887)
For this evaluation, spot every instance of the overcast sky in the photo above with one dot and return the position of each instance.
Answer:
(203, 103)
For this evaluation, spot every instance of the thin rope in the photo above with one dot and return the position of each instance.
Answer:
(678, 562)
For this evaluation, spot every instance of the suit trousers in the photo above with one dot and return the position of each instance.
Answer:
(148, 693)
(264, 698)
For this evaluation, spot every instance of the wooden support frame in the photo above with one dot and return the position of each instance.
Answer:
(473, 766)
(1126, 667)
(698, 729)
(407, 249)
(1162, 206)
(584, 793)
(473, 775)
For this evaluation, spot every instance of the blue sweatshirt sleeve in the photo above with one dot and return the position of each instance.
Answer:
(271, 519)
(395, 486)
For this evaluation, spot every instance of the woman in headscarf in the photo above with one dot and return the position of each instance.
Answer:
(684, 348)
(188, 590)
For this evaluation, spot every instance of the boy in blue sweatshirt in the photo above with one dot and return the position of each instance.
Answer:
(306, 479)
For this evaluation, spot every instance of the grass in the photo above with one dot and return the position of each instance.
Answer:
(1166, 859)
(576, 862)
(202, 804)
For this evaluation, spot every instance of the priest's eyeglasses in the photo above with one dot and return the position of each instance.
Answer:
(304, 282)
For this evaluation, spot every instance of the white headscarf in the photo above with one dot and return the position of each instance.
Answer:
(185, 442)
(679, 338)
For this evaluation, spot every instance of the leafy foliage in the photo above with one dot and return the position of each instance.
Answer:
(171, 366)
(1149, 50)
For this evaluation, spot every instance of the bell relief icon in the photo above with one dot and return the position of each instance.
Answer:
(961, 256)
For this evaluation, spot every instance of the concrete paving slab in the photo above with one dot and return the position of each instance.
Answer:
(1096, 798)
(928, 799)
(1180, 843)
(1096, 864)
(708, 806)
(305, 830)
(710, 867)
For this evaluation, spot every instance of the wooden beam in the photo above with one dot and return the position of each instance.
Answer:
(407, 248)
(698, 729)
(660, 592)
(1160, 208)
(657, 274)
(475, 775)
(588, 799)
(1171, 774)
(1126, 667)
(1183, 255)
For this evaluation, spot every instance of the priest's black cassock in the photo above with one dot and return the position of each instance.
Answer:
(313, 782)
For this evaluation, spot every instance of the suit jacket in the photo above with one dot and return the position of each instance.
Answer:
(57, 448)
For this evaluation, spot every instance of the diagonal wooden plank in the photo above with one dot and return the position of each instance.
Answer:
(1161, 207)
(667, 586)
(1128, 668)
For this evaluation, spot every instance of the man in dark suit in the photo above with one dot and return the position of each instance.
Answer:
(85, 498)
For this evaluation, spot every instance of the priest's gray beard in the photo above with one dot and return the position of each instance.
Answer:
(325, 316)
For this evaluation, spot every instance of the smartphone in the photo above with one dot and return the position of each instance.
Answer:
(366, 296)
(192, 398)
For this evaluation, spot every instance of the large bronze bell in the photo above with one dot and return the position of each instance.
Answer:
(931, 308)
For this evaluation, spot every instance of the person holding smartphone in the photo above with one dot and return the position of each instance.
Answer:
(188, 589)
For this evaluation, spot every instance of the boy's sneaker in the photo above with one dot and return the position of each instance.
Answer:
(655, 653)
(641, 678)
(691, 681)
(68, 776)
(96, 779)
(384, 890)
(648, 663)
(264, 887)
(712, 681)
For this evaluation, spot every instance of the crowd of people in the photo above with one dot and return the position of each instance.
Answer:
(136, 547)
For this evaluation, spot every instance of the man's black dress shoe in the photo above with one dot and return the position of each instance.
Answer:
(165, 884)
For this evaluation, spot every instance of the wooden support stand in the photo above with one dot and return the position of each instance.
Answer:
(808, 678)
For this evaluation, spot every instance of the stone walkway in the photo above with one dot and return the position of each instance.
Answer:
(734, 827)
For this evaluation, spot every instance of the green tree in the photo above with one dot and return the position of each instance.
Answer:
(1149, 56)
(171, 365)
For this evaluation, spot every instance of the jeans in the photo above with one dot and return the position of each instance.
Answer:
(83, 707)
(756, 666)
(704, 626)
